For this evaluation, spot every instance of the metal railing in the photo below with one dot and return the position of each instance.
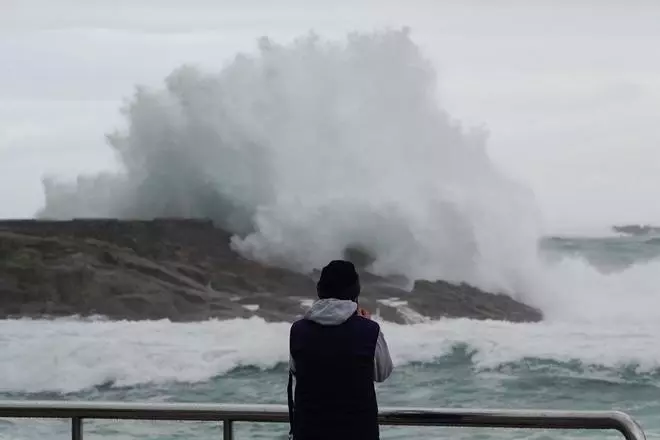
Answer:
(228, 414)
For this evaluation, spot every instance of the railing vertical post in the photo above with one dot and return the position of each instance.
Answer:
(228, 429)
(76, 428)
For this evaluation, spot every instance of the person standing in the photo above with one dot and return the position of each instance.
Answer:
(336, 354)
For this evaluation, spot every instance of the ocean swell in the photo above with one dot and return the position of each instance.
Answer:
(71, 355)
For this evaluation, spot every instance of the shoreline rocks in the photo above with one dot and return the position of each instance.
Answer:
(184, 270)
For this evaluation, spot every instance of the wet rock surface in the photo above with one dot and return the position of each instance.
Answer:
(184, 270)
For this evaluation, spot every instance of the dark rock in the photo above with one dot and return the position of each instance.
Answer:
(636, 229)
(358, 256)
(184, 270)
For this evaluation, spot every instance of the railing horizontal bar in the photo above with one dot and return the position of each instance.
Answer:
(505, 418)
(145, 411)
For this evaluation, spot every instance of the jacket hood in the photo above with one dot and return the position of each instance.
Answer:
(331, 311)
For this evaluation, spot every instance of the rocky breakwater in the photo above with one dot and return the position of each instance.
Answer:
(184, 270)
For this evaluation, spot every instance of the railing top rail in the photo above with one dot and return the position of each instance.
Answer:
(499, 418)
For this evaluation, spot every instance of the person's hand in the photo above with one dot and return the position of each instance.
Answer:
(364, 313)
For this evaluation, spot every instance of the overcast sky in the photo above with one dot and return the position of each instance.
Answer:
(570, 91)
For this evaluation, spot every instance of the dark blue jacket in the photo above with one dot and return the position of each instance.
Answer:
(334, 380)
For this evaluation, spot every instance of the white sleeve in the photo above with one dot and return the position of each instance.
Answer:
(383, 362)
(292, 365)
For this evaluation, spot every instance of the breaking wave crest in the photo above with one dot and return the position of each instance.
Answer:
(69, 355)
(307, 149)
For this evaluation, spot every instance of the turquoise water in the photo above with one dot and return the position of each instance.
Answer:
(566, 363)
(611, 253)
(452, 381)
